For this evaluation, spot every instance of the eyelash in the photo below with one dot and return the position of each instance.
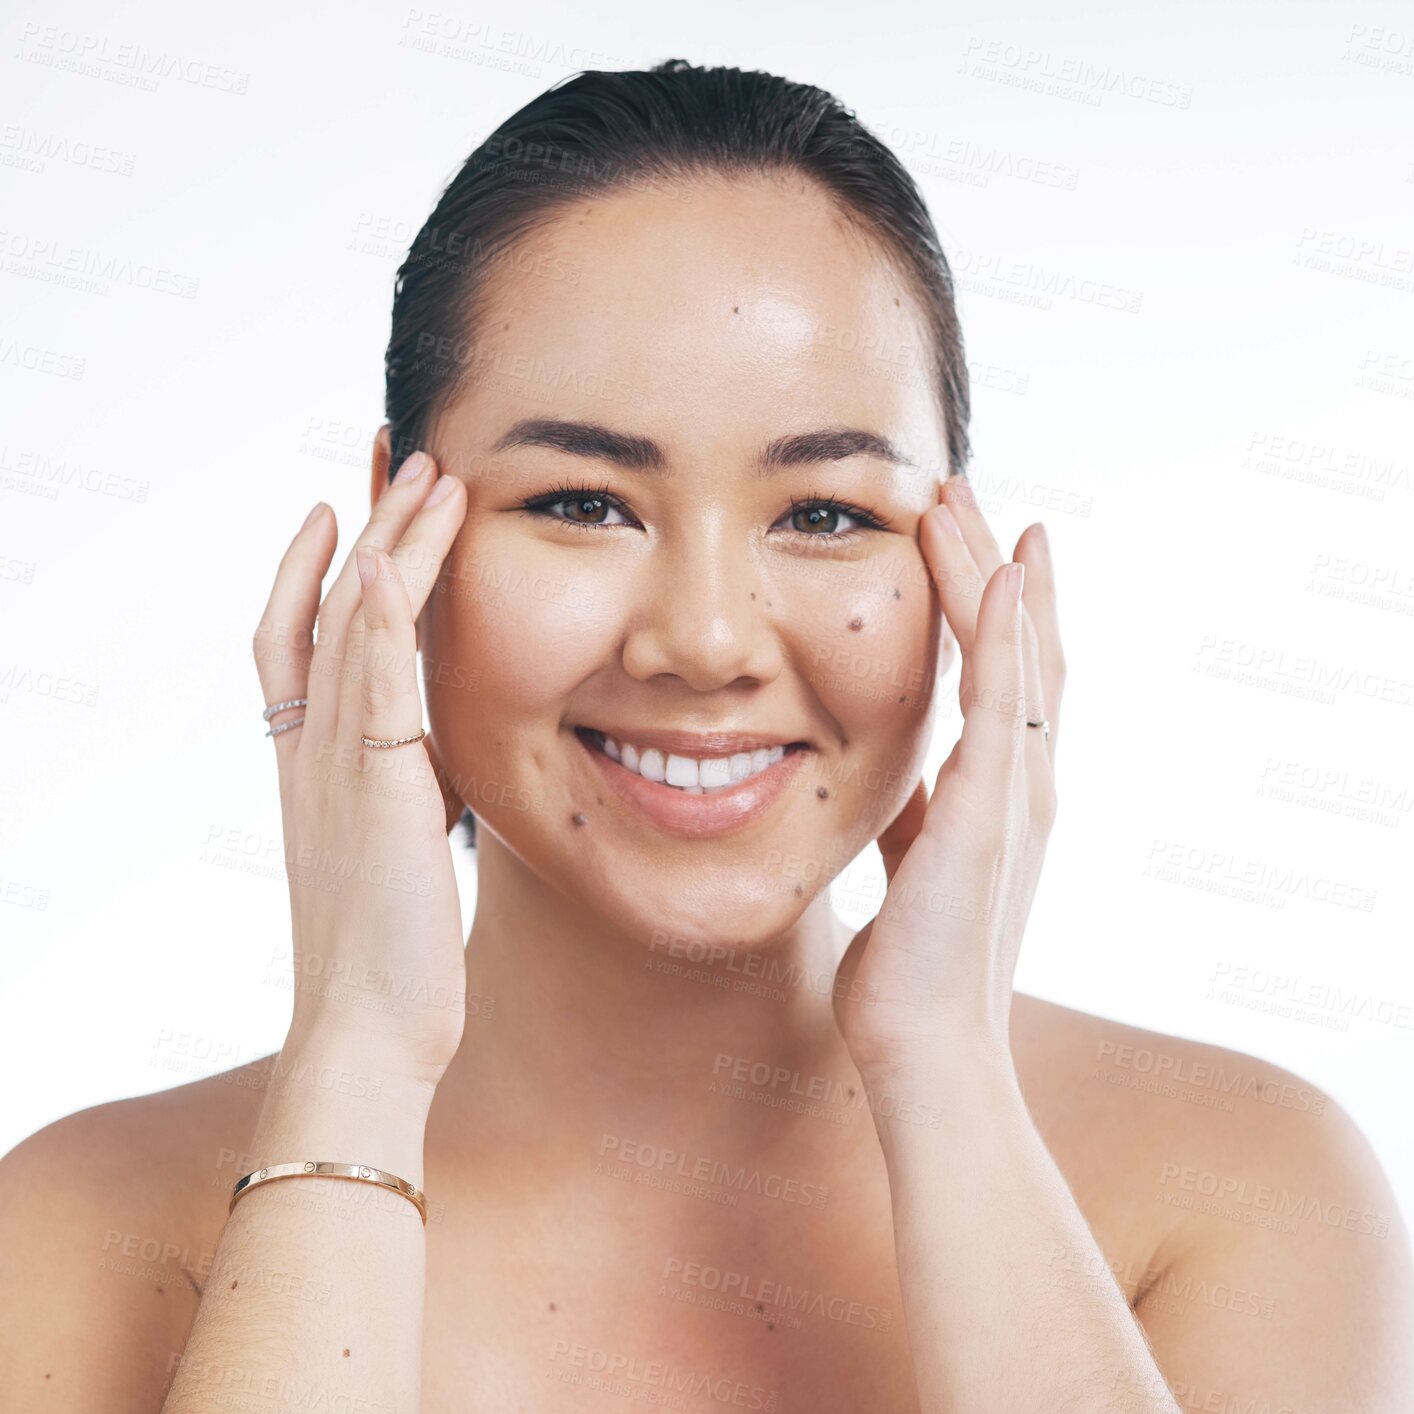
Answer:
(540, 506)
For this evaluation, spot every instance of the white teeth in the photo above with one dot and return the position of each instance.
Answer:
(681, 771)
(692, 775)
(714, 771)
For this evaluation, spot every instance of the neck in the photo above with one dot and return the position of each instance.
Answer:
(612, 1035)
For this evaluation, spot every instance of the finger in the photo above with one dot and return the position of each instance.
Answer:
(1038, 747)
(419, 555)
(284, 639)
(1039, 596)
(390, 517)
(955, 573)
(391, 703)
(903, 829)
(991, 758)
(961, 500)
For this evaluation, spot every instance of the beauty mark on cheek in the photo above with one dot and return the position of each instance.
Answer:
(855, 625)
(579, 818)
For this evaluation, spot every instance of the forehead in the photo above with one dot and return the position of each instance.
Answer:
(734, 310)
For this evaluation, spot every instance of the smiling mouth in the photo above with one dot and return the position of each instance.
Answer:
(692, 775)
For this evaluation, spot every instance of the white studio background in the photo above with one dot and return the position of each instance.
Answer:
(1182, 238)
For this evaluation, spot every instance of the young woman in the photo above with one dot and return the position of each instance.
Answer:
(671, 498)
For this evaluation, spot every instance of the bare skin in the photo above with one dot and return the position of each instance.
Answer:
(548, 1258)
(521, 1266)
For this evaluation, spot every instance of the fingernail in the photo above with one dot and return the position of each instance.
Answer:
(947, 520)
(367, 565)
(309, 519)
(411, 469)
(1015, 576)
(441, 490)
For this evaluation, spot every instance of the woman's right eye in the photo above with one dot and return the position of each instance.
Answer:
(578, 506)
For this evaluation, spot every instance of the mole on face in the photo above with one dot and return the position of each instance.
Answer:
(346, 1354)
(798, 890)
(822, 792)
(855, 624)
(897, 595)
(736, 309)
(580, 818)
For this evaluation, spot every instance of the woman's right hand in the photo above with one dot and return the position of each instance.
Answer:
(379, 957)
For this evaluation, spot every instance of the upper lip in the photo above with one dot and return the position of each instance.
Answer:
(680, 743)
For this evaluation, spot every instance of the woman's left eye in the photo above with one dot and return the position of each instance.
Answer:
(581, 507)
(820, 519)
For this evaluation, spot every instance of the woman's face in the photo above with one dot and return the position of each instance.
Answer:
(708, 397)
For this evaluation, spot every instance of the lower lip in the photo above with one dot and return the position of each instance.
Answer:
(719, 812)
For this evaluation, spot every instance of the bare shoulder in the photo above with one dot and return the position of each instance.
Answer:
(1243, 1207)
(109, 1219)
(1186, 1122)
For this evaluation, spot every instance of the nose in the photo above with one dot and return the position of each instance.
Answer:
(701, 612)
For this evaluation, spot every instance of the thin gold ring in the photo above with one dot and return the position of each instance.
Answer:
(394, 741)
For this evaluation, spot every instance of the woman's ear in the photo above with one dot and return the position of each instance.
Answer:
(382, 460)
(451, 801)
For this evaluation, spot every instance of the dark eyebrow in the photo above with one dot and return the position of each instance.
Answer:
(830, 444)
(590, 439)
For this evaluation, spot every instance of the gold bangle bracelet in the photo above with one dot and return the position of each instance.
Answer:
(360, 1173)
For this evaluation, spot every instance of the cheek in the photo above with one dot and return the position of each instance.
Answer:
(525, 631)
(866, 634)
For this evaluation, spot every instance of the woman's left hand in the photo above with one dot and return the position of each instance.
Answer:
(926, 987)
